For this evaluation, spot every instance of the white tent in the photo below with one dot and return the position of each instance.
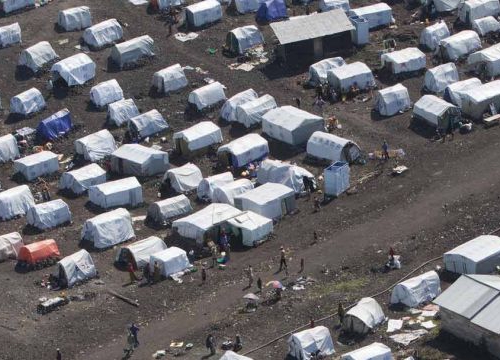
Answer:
(138, 160)
(9, 6)
(445, 5)
(243, 38)
(196, 225)
(37, 56)
(460, 44)
(121, 111)
(318, 71)
(281, 172)
(10, 244)
(77, 18)
(363, 317)
(164, 210)
(76, 267)
(343, 77)
(203, 13)
(391, 100)
(486, 25)
(435, 111)
(8, 148)
(207, 186)
(80, 180)
(244, 150)
(165, 4)
(170, 79)
(197, 137)
(132, 51)
(147, 124)
(74, 70)
(184, 178)
(27, 102)
(225, 193)
(406, 60)
(374, 351)
(477, 101)
(108, 229)
(250, 227)
(123, 192)
(331, 147)
(15, 202)
(208, 95)
(246, 6)
(102, 34)
(271, 200)
(439, 77)
(38, 164)
(486, 60)
(291, 125)
(229, 355)
(228, 110)
(454, 92)
(477, 9)
(171, 261)
(417, 290)
(10, 34)
(377, 15)
(327, 5)
(477, 256)
(106, 93)
(432, 35)
(140, 251)
(96, 146)
(304, 344)
(250, 113)
(49, 214)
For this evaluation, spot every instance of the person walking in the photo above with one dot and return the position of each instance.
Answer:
(210, 344)
(250, 276)
(146, 274)
(203, 275)
(301, 265)
(58, 354)
(385, 150)
(259, 284)
(214, 256)
(134, 330)
(317, 204)
(297, 101)
(311, 323)
(283, 263)
(341, 313)
(131, 272)
(156, 272)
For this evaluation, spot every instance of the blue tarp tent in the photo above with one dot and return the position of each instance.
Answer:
(56, 125)
(271, 10)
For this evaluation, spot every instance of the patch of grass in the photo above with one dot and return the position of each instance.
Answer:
(340, 287)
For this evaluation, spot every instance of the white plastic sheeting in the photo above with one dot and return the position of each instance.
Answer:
(38, 164)
(417, 290)
(460, 44)
(432, 35)
(331, 147)
(199, 136)
(374, 351)
(438, 78)
(477, 256)
(184, 178)
(250, 113)
(267, 200)
(203, 13)
(102, 34)
(228, 110)
(49, 214)
(106, 93)
(166, 209)
(291, 125)
(80, 180)
(141, 251)
(10, 35)
(342, 78)
(486, 25)
(9, 6)
(327, 5)
(170, 79)
(208, 95)
(363, 317)
(120, 112)
(131, 51)
(27, 102)
(432, 109)
(207, 186)
(477, 9)
(138, 160)
(406, 60)
(487, 60)
(171, 261)
(477, 101)
(123, 192)
(251, 227)
(37, 56)
(318, 71)
(96, 146)
(108, 229)
(74, 70)
(77, 267)
(165, 4)
(246, 6)
(10, 244)
(147, 124)
(336, 178)
(76, 18)
(8, 148)
(446, 5)
(15, 202)
(377, 15)
(244, 150)
(280, 172)
(225, 193)
(455, 92)
(244, 38)
(304, 344)
(391, 100)
(229, 355)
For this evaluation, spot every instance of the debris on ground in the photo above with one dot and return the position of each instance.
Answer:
(407, 336)
(47, 305)
(186, 37)
(394, 325)
(63, 41)
(398, 170)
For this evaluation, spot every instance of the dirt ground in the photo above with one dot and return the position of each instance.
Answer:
(449, 195)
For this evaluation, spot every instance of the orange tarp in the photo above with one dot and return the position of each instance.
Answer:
(39, 251)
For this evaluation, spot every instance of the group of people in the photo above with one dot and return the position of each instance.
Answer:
(147, 276)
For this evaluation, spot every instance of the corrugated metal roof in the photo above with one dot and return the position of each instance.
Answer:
(312, 26)
(479, 248)
(489, 317)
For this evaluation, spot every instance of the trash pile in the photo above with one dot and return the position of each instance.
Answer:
(251, 59)
(414, 326)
